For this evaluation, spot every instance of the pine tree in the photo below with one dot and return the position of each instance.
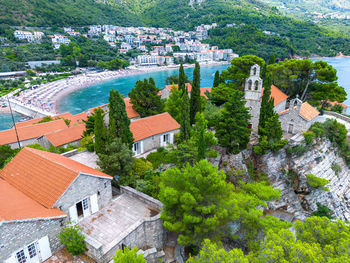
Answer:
(232, 126)
(216, 79)
(118, 119)
(271, 60)
(145, 99)
(185, 120)
(99, 131)
(195, 101)
(182, 78)
(267, 107)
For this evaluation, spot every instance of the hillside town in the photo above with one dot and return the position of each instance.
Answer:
(155, 46)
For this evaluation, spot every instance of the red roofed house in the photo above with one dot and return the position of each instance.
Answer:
(165, 92)
(39, 191)
(153, 132)
(280, 99)
(299, 117)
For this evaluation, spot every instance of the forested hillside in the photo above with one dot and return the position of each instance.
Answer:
(255, 27)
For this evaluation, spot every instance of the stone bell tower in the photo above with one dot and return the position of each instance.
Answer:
(252, 95)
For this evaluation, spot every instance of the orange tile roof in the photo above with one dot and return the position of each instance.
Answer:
(31, 131)
(277, 94)
(188, 86)
(66, 136)
(44, 176)
(66, 115)
(128, 107)
(15, 205)
(308, 112)
(157, 124)
(189, 89)
(336, 102)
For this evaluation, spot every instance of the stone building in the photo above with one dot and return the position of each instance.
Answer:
(39, 192)
(298, 117)
(252, 95)
(153, 132)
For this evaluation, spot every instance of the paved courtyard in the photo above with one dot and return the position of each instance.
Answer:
(63, 256)
(111, 222)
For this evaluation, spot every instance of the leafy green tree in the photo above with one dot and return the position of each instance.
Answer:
(210, 252)
(232, 125)
(304, 78)
(138, 170)
(117, 159)
(198, 202)
(73, 239)
(173, 104)
(99, 131)
(315, 181)
(174, 79)
(216, 79)
(89, 124)
(6, 153)
(182, 78)
(128, 255)
(195, 100)
(185, 117)
(272, 59)
(145, 99)
(324, 92)
(119, 123)
(323, 210)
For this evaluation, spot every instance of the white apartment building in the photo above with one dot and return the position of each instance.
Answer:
(57, 40)
(24, 35)
(150, 60)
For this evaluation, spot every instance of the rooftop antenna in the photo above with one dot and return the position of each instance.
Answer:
(13, 120)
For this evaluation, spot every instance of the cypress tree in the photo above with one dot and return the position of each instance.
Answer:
(118, 119)
(216, 79)
(267, 107)
(182, 78)
(271, 60)
(99, 131)
(195, 101)
(185, 122)
(202, 147)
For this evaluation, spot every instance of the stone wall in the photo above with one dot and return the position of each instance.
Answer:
(292, 122)
(85, 186)
(17, 234)
(281, 107)
(150, 201)
(153, 142)
(28, 110)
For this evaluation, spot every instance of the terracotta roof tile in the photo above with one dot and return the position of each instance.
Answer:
(157, 124)
(31, 131)
(128, 107)
(277, 94)
(15, 205)
(336, 102)
(66, 136)
(66, 115)
(308, 112)
(189, 89)
(188, 86)
(44, 176)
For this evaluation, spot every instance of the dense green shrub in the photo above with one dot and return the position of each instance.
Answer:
(73, 239)
(316, 182)
(309, 137)
(323, 210)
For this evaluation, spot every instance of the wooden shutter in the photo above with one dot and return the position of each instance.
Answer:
(94, 203)
(73, 214)
(44, 246)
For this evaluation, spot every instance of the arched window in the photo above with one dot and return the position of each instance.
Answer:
(295, 103)
(254, 71)
(250, 84)
(256, 84)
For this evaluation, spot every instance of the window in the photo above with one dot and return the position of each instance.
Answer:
(256, 85)
(21, 256)
(32, 250)
(166, 138)
(85, 204)
(136, 148)
(250, 84)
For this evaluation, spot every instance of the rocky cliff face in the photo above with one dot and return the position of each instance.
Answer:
(288, 173)
(298, 200)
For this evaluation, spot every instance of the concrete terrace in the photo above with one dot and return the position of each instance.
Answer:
(131, 219)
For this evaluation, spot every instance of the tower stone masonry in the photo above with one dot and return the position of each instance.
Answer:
(252, 95)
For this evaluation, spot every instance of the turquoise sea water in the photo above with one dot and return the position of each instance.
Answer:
(98, 94)
(342, 65)
(6, 120)
(95, 95)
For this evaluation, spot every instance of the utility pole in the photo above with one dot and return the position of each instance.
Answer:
(13, 120)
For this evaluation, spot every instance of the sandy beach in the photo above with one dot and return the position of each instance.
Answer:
(46, 96)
